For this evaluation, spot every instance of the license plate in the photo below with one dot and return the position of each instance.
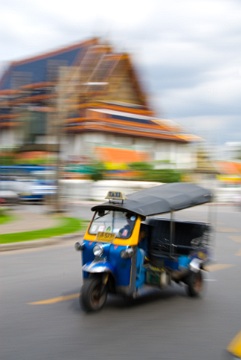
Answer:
(105, 236)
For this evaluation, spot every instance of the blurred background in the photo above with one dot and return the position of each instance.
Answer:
(107, 95)
(90, 96)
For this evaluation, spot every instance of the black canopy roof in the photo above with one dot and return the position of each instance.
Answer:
(161, 199)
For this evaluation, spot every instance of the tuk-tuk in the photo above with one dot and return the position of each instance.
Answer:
(128, 247)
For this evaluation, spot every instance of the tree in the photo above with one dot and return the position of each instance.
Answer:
(97, 171)
(146, 172)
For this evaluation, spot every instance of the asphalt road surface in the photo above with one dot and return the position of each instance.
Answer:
(40, 317)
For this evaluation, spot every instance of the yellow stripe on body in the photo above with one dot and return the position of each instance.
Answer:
(131, 241)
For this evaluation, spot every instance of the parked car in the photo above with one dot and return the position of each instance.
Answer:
(37, 190)
(8, 193)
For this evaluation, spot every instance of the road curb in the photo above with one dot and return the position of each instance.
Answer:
(40, 243)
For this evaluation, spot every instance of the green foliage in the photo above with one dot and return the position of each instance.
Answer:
(40, 161)
(7, 159)
(164, 175)
(97, 171)
(140, 166)
(146, 172)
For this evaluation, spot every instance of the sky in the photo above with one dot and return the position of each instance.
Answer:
(187, 52)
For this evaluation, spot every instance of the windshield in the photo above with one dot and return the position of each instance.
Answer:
(119, 223)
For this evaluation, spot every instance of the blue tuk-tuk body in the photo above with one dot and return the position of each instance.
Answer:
(127, 247)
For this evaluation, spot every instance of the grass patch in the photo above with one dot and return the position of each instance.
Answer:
(67, 226)
(5, 218)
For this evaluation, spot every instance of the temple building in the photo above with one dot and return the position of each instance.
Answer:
(86, 97)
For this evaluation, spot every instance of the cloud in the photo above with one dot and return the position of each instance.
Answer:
(213, 128)
(214, 93)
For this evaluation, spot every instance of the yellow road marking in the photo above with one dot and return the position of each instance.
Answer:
(213, 267)
(216, 267)
(238, 253)
(228, 230)
(55, 300)
(234, 346)
(236, 238)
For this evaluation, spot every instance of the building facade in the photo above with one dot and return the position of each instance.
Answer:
(83, 97)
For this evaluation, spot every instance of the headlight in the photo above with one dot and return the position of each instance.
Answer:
(127, 253)
(98, 250)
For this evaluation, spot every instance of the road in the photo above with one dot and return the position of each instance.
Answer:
(40, 317)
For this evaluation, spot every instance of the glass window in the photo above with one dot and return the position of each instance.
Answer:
(117, 222)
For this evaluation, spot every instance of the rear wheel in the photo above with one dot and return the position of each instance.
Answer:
(194, 283)
(93, 294)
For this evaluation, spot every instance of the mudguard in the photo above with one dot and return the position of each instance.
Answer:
(98, 267)
(195, 264)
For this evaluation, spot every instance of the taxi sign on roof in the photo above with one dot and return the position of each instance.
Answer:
(115, 195)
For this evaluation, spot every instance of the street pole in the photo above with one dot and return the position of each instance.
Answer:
(60, 116)
(67, 89)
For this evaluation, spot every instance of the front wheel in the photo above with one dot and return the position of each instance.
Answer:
(194, 283)
(93, 294)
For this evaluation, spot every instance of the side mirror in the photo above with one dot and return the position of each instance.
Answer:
(127, 253)
(79, 246)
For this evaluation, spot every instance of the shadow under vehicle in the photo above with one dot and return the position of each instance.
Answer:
(127, 247)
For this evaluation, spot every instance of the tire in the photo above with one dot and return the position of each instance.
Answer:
(93, 294)
(194, 283)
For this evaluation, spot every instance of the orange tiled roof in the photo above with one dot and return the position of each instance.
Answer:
(100, 76)
(117, 155)
(229, 167)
